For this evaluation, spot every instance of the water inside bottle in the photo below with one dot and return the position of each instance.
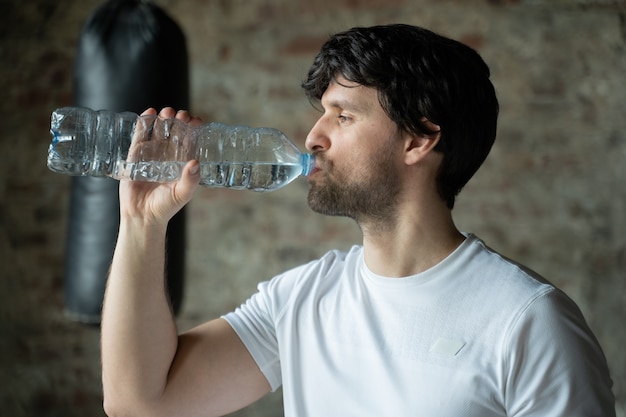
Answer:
(150, 171)
(63, 158)
(253, 176)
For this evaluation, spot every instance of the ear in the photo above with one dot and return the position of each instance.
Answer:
(417, 146)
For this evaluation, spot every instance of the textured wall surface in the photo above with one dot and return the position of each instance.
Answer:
(551, 195)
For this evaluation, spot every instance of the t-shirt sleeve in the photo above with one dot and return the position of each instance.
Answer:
(255, 321)
(254, 324)
(554, 364)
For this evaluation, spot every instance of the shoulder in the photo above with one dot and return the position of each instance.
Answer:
(552, 355)
(529, 298)
(318, 270)
(488, 271)
(508, 295)
(548, 351)
(309, 279)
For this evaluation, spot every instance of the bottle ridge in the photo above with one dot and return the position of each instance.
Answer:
(126, 146)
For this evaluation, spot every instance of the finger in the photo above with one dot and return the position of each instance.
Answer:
(141, 134)
(149, 111)
(191, 171)
(190, 134)
(195, 121)
(189, 180)
(183, 116)
(167, 113)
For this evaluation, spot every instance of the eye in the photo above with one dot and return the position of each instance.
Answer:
(343, 119)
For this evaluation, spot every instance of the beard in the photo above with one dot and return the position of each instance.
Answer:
(367, 195)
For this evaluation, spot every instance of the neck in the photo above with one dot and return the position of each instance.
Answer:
(412, 242)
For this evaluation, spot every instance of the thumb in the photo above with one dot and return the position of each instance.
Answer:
(189, 180)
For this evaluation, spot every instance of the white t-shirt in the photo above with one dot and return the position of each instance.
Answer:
(476, 335)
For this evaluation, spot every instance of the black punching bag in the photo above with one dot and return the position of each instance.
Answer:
(131, 56)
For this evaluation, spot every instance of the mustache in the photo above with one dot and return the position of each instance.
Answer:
(320, 160)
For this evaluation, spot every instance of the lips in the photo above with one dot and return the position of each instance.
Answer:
(315, 170)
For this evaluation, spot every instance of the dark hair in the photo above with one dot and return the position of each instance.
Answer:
(419, 74)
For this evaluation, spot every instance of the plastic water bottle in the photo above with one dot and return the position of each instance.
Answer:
(126, 146)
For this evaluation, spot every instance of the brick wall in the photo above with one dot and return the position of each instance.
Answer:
(551, 195)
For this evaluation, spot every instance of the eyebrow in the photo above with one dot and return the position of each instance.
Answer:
(360, 107)
(339, 100)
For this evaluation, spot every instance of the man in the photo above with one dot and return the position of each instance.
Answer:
(421, 320)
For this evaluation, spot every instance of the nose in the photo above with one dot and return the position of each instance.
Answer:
(317, 140)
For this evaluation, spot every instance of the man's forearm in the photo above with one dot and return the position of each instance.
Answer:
(139, 336)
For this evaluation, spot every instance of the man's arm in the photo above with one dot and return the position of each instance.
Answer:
(147, 368)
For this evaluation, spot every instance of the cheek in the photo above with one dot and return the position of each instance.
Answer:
(357, 169)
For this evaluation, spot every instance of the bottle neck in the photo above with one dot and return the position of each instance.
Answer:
(308, 163)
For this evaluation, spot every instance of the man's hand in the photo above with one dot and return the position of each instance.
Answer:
(157, 203)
